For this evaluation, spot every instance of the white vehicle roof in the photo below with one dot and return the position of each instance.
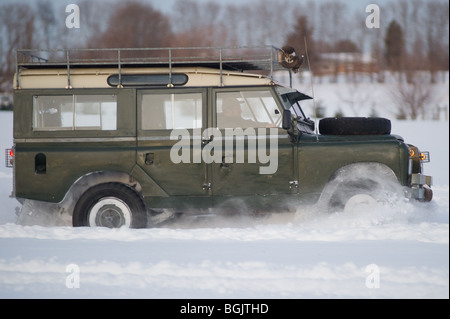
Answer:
(98, 77)
(148, 67)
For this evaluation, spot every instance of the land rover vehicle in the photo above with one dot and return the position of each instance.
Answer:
(111, 137)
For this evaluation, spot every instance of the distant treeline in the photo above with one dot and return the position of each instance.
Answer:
(412, 35)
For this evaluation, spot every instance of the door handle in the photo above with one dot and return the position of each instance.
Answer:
(223, 164)
(206, 140)
(149, 158)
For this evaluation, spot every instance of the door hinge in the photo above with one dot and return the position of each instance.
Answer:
(293, 184)
(206, 186)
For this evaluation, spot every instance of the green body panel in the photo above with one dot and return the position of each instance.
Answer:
(303, 167)
(69, 155)
(65, 165)
(320, 159)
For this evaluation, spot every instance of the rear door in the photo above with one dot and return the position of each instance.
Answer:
(169, 144)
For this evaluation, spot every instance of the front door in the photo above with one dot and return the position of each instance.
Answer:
(257, 155)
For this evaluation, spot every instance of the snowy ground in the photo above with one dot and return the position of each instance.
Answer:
(399, 250)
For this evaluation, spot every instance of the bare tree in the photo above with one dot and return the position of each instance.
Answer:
(411, 98)
(273, 18)
(333, 20)
(394, 47)
(354, 97)
(233, 17)
(47, 22)
(198, 24)
(136, 25)
(207, 36)
(377, 54)
(437, 22)
(16, 32)
(296, 39)
(94, 17)
(192, 15)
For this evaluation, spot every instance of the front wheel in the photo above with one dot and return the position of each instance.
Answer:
(110, 205)
(360, 202)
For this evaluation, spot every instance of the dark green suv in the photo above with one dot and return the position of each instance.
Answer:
(107, 138)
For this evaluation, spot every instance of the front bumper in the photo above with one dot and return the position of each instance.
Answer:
(421, 187)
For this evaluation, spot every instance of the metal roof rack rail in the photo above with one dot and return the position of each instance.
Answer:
(266, 58)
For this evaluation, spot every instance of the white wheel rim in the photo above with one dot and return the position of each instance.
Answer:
(359, 202)
(110, 212)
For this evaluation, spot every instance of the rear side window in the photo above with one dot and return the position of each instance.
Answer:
(171, 111)
(74, 112)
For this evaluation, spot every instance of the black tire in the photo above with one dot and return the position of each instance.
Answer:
(355, 126)
(110, 205)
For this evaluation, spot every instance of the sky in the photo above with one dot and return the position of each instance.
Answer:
(166, 5)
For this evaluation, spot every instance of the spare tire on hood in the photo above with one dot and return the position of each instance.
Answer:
(354, 126)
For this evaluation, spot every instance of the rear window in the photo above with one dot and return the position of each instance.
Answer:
(74, 112)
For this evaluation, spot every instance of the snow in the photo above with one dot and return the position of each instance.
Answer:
(398, 250)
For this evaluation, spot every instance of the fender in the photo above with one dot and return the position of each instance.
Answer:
(94, 178)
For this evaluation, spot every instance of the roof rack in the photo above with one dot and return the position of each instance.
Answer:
(239, 58)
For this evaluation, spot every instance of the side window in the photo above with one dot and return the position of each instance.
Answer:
(247, 109)
(171, 111)
(74, 112)
(98, 112)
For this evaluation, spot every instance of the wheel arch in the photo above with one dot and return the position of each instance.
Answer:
(85, 182)
(362, 167)
(371, 173)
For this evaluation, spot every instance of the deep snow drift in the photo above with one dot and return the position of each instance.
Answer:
(399, 250)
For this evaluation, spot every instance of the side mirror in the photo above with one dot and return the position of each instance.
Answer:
(287, 119)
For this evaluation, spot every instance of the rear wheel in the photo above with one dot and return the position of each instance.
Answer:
(110, 205)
